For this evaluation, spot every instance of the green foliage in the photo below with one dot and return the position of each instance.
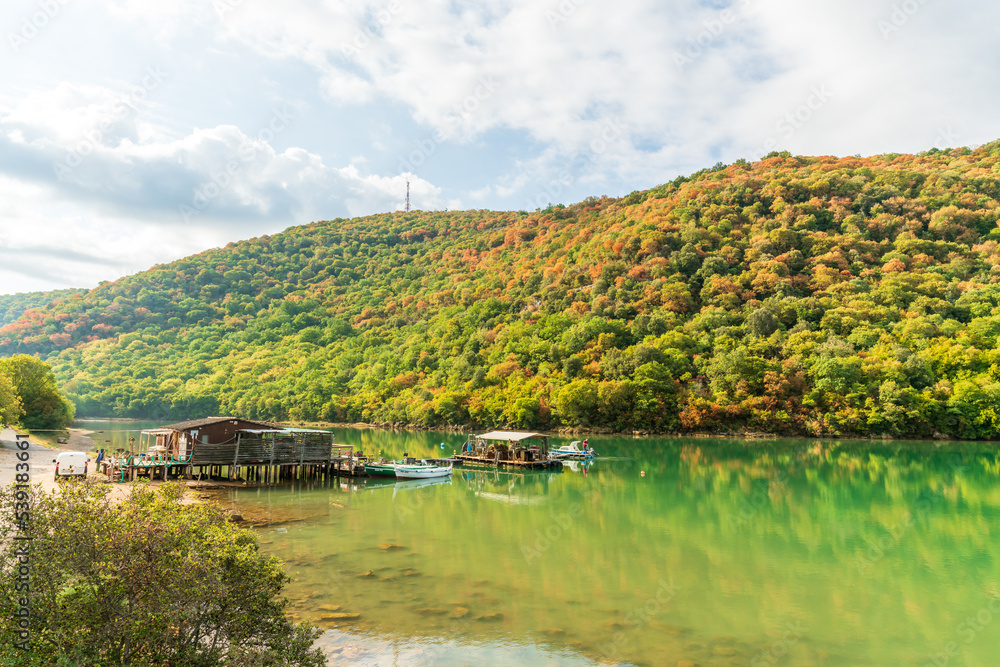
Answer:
(10, 402)
(12, 306)
(795, 295)
(147, 581)
(34, 383)
(576, 402)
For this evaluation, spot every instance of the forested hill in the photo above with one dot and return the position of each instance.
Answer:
(795, 295)
(12, 306)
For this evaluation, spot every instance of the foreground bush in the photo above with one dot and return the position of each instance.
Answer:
(146, 581)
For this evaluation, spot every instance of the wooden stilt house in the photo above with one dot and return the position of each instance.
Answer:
(215, 443)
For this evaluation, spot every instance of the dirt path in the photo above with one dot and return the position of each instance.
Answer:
(40, 458)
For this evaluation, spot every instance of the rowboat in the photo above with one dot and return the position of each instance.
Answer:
(421, 470)
(381, 469)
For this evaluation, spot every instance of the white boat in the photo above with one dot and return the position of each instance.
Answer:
(573, 451)
(421, 470)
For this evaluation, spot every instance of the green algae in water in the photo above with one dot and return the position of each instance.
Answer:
(723, 552)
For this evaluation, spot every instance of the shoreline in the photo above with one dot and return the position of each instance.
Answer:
(568, 432)
(749, 435)
(43, 469)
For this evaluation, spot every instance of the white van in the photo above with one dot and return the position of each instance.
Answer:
(70, 464)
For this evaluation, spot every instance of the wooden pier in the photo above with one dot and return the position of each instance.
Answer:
(232, 448)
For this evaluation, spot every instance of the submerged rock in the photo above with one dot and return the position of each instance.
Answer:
(669, 629)
(431, 611)
(340, 616)
(490, 617)
(459, 612)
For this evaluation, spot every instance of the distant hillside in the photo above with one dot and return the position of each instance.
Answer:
(12, 306)
(795, 295)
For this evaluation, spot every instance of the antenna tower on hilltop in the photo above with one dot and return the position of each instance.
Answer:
(407, 196)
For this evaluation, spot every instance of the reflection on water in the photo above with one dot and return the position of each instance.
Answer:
(718, 552)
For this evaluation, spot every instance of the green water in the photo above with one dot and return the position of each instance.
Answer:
(719, 552)
(114, 434)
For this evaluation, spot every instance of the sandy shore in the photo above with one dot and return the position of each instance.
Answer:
(40, 457)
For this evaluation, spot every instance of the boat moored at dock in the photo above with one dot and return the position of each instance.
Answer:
(381, 469)
(574, 452)
(421, 470)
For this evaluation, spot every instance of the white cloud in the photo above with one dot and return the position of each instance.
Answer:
(107, 197)
(557, 70)
(48, 243)
(549, 100)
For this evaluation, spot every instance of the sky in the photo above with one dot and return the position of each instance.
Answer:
(133, 133)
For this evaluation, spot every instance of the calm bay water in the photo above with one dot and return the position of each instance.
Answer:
(715, 551)
(720, 552)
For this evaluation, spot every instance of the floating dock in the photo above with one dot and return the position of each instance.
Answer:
(508, 449)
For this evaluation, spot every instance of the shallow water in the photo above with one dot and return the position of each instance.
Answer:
(719, 552)
(112, 435)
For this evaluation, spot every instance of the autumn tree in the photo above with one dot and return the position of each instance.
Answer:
(42, 405)
(10, 402)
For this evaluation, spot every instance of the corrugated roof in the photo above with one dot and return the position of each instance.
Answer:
(195, 423)
(510, 436)
(259, 431)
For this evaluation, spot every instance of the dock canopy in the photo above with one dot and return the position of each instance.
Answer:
(510, 436)
(508, 448)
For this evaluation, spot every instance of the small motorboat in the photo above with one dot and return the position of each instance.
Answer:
(573, 451)
(381, 469)
(421, 470)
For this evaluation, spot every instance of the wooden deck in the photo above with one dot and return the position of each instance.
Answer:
(472, 459)
(275, 465)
